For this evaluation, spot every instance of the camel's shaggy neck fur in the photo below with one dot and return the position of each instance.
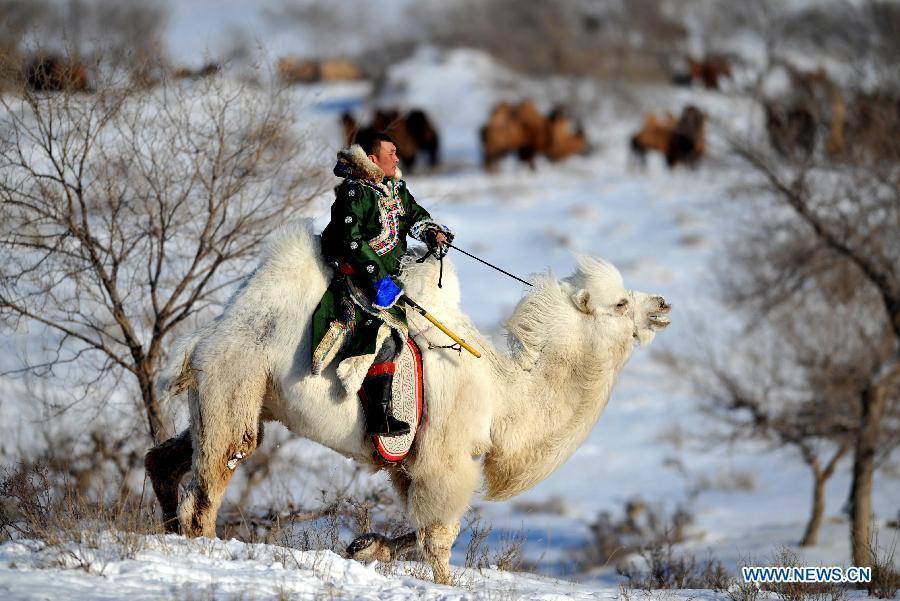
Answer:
(557, 381)
(545, 394)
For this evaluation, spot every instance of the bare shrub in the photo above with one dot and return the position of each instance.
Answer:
(801, 591)
(27, 502)
(739, 590)
(78, 533)
(664, 568)
(125, 35)
(724, 480)
(131, 33)
(127, 213)
(553, 505)
(506, 555)
(34, 507)
(339, 515)
(17, 18)
(885, 577)
(640, 527)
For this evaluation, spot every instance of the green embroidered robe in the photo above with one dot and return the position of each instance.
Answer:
(366, 238)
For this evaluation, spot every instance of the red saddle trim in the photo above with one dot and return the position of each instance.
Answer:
(420, 396)
(379, 369)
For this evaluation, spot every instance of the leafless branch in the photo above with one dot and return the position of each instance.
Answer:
(128, 210)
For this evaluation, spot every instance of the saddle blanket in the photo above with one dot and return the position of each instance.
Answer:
(408, 390)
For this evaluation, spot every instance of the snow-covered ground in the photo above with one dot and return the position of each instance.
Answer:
(662, 229)
(174, 568)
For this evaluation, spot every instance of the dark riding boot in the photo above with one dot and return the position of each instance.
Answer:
(379, 421)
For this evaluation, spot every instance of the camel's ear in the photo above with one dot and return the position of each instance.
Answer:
(581, 299)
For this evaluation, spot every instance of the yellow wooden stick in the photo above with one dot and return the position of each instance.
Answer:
(440, 326)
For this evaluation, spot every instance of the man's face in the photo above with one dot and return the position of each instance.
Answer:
(386, 157)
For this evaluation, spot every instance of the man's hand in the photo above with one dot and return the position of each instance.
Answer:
(438, 240)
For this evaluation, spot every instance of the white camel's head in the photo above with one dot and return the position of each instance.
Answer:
(591, 309)
(598, 292)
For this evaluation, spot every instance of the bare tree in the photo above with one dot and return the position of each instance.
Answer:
(826, 234)
(340, 30)
(125, 213)
(18, 17)
(814, 274)
(813, 271)
(126, 34)
(837, 241)
(792, 386)
(555, 37)
(818, 249)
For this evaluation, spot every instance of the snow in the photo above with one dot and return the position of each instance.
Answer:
(172, 567)
(662, 229)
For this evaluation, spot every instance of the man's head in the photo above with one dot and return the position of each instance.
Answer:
(380, 149)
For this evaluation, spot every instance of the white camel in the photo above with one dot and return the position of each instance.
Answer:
(512, 416)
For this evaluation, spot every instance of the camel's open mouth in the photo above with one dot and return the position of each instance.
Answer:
(660, 318)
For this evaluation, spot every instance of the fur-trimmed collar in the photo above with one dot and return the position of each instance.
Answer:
(354, 163)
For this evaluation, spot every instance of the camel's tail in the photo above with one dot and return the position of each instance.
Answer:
(177, 376)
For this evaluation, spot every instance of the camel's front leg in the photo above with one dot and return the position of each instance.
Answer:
(441, 489)
(436, 541)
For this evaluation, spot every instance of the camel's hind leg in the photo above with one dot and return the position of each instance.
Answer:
(166, 465)
(226, 429)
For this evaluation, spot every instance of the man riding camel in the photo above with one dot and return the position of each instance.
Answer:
(372, 214)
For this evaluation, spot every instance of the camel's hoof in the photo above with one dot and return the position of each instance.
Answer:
(370, 547)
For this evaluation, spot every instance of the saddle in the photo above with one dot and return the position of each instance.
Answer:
(407, 403)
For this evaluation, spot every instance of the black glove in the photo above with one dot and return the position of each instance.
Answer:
(431, 240)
